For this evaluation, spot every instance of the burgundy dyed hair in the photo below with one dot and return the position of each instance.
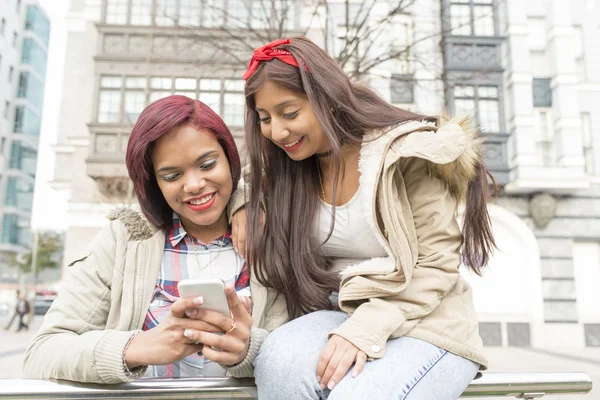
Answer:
(158, 119)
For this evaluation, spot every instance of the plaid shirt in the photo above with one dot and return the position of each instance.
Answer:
(179, 262)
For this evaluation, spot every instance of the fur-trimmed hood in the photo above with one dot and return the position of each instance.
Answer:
(452, 147)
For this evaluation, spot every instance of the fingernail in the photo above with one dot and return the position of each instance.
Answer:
(229, 289)
(318, 378)
(236, 250)
(331, 385)
(188, 333)
(198, 300)
(323, 386)
(191, 313)
(354, 373)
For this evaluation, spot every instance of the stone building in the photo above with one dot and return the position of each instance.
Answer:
(529, 72)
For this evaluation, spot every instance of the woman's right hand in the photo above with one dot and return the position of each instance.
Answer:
(166, 343)
(238, 230)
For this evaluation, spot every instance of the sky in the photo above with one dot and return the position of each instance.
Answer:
(49, 207)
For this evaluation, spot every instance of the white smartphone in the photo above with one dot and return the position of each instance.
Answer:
(212, 290)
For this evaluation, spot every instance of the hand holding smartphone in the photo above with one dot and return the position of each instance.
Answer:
(212, 290)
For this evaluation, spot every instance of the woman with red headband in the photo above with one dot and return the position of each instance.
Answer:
(361, 241)
(118, 316)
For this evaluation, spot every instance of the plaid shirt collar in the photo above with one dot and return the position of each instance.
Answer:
(177, 233)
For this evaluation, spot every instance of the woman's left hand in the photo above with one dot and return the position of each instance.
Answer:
(233, 345)
(336, 359)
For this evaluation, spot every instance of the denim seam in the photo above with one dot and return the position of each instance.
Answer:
(443, 353)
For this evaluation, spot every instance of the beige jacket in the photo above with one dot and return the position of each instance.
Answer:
(418, 174)
(104, 300)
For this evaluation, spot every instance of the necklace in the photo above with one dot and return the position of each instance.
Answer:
(193, 239)
(324, 155)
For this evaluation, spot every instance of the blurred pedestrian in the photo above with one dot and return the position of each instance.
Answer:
(22, 309)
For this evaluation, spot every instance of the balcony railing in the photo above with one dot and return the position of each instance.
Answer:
(518, 385)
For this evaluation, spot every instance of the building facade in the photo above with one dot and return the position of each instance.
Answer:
(24, 35)
(527, 74)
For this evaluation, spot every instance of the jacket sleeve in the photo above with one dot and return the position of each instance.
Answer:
(434, 275)
(240, 197)
(72, 343)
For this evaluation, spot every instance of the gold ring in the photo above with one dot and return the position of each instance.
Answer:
(233, 326)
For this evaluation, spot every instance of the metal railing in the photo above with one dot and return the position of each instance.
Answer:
(519, 385)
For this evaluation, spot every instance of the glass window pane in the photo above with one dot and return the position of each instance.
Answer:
(166, 12)
(237, 13)
(234, 109)
(483, 20)
(234, 85)
(161, 83)
(158, 95)
(285, 10)
(135, 102)
(111, 82)
(210, 84)
(109, 106)
(185, 83)
(189, 12)
(135, 82)
(212, 13)
(116, 12)
(141, 12)
(463, 106)
(490, 92)
(489, 115)
(213, 100)
(464, 91)
(460, 19)
(191, 95)
(26, 121)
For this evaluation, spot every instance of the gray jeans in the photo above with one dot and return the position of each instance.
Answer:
(411, 369)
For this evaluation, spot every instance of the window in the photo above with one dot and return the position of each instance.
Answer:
(545, 137)
(166, 12)
(483, 101)
(26, 121)
(402, 89)
(237, 13)
(285, 11)
(2, 26)
(234, 102)
(472, 17)
(109, 100)
(160, 87)
(6, 107)
(542, 94)
(18, 6)
(141, 12)
(210, 94)
(36, 21)
(31, 89)
(116, 12)
(588, 145)
(186, 87)
(34, 55)
(11, 71)
(189, 13)
(15, 39)
(22, 158)
(212, 13)
(10, 229)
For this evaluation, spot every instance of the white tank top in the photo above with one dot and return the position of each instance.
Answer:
(352, 240)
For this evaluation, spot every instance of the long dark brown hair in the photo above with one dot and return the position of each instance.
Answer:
(285, 256)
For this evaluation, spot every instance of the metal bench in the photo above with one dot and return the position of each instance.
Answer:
(518, 385)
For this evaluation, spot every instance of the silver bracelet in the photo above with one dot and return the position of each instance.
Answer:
(128, 373)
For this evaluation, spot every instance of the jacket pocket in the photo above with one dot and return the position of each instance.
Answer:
(79, 256)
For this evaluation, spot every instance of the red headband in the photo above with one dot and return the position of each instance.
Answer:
(269, 52)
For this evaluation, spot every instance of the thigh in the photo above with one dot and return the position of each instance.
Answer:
(408, 369)
(286, 365)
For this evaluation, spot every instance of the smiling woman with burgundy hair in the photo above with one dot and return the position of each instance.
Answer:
(118, 316)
